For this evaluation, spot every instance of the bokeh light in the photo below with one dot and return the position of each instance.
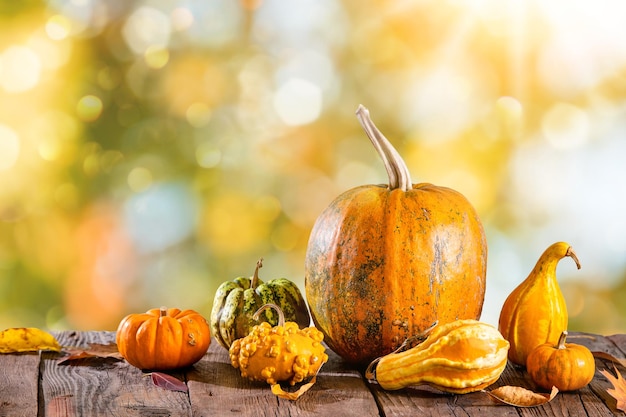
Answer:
(9, 147)
(20, 69)
(151, 150)
(89, 108)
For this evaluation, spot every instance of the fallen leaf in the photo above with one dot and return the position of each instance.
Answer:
(609, 357)
(288, 393)
(521, 397)
(27, 339)
(94, 350)
(168, 382)
(619, 388)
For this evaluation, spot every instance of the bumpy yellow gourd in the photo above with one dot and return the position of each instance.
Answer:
(458, 357)
(535, 312)
(283, 353)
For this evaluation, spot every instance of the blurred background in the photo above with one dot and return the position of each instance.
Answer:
(152, 149)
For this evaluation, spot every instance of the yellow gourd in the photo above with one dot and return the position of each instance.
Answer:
(283, 353)
(458, 357)
(535, 312)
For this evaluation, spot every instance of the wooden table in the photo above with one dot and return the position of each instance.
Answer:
(35, 385)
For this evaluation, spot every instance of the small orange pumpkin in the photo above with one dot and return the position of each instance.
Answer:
(163, 339)
(384, 262)
(567, 366)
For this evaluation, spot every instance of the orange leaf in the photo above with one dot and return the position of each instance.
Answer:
(303, 387)
(95, 350)
(619, 388)
(521, 397)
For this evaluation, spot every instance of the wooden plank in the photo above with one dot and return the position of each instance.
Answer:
(619, 340)
(614, 345)
(100, 387)
(19, 377)
(217, 389)
(426, 401)
(582, 402)
(108, 387)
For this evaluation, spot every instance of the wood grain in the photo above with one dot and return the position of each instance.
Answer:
(19, 375)
(33, 385)
(104, 387)
(217, 389)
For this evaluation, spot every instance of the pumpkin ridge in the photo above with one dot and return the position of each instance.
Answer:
(389, 284)
(174, 331)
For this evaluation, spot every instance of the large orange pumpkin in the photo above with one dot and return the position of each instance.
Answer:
(383, 263)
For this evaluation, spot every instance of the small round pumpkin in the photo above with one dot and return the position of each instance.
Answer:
(567, 366)
(163, 339)
(384, 262)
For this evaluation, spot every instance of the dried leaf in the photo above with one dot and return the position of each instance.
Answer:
(609, 357)
(619, 388)
(168, 382)
(27, 339)
(95, 350)
(281, 392)
(521, 397)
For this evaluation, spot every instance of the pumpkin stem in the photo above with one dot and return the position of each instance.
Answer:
(163, 311)
(561, 343)
(281, 315)
(399, 176)
(255, 277)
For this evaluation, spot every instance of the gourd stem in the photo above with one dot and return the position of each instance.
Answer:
(415, 340)
(398, 172)
(570, 252)
(370, 371)
(163, 312)
(281, 315)
(561, 343)
(255, 277)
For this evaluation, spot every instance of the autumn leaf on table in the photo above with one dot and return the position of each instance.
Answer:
(94, 350)
(295, 392)
(27, 339)
(521, 397)
(168, 382)
(619, 388)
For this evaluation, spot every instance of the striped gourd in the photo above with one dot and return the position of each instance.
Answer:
(236, 302)
(458, 357)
